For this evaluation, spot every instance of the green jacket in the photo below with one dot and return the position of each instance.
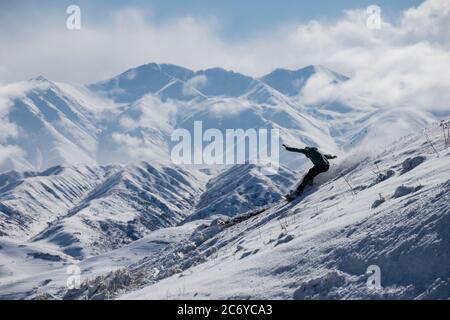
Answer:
(313, 154)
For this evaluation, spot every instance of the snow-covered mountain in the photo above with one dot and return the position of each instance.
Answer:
(291, 82)
(240, 189)
(390, 210)
(31, 200)
(131, 117)
(53, 128)
(87, 210)
(92, 185)
(135, 83)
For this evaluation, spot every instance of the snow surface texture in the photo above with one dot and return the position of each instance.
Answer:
(89, 210)
(87, 183)
(317, 247)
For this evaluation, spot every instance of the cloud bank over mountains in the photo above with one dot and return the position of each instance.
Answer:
(405, 63)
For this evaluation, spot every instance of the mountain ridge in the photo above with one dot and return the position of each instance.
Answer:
(69, 124)
(389, 209)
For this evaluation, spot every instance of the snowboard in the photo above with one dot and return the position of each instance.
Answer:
(291, 196)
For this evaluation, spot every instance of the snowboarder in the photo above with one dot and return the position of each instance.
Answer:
(321, 165)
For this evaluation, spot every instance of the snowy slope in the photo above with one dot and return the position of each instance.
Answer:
(88, 210)
(240, 189)
(52, 128)
(67, 202)
(19, 260)
(123, 208)
(321, 246)
(135, 83)
(291, 82)
(30, 270)
(155, 197)
(295, 127)
(28, 202)
(390, 210)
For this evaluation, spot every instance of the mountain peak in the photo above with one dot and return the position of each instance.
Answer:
(171, 70)
(291, 82)
(134, 83)
(152, 78)
(41, 79)
(221, 82)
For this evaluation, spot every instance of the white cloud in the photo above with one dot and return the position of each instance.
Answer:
(136, 148)
(192, 86)
(144, 130)
(406, 63)
(140, 148)
(130, 75)
(229, 108)
(97, 52)
(429, 22)
(7, 94)
(9, 152)
(153, 113)
(399, 66)
(8, 129)
(126, 139)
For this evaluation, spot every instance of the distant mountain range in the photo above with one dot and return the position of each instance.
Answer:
(86, 210)
(130, 117)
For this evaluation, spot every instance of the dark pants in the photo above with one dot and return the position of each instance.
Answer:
(309, 178)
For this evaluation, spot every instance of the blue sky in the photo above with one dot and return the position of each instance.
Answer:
(249, 36)
(243, 17)
(236, 18)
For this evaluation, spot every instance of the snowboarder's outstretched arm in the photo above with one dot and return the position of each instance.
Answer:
(329, 156)
(293, 149)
